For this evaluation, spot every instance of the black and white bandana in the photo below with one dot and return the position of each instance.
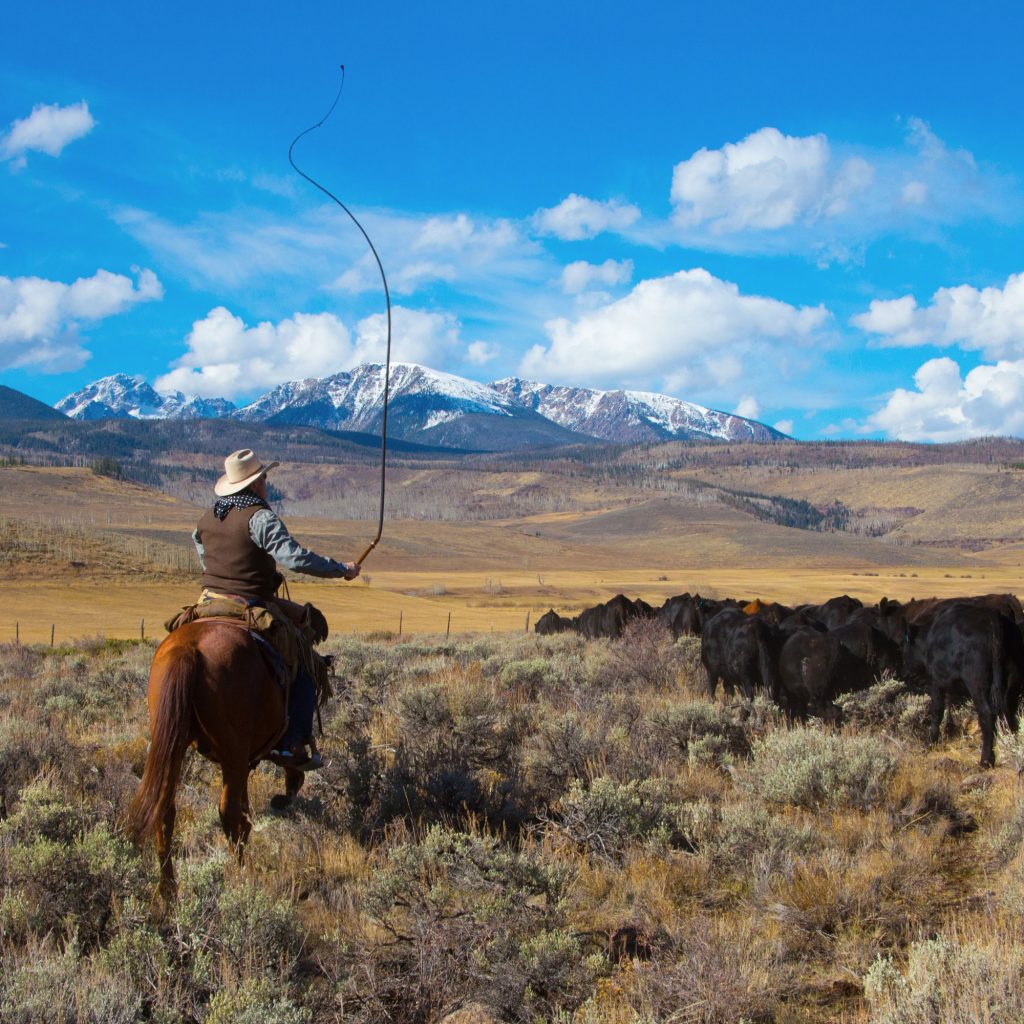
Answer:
(244, 500)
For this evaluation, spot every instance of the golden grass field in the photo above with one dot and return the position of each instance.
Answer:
(89, 555)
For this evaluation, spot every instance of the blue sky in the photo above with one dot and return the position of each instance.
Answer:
(811, 216)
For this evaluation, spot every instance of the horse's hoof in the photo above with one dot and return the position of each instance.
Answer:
(280, 802)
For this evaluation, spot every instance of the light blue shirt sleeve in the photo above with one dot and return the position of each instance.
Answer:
(270, 534)
(200, 550)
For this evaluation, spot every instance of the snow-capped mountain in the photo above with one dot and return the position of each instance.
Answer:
(435, 408)
(122, 396)
(354, 400)
(630, 416)
(426, 406)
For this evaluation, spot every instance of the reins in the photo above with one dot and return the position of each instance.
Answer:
(387, 299)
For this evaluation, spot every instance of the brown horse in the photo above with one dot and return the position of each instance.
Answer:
(209, 685)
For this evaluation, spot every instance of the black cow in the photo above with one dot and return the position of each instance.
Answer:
(970, 647)
(895, 616)
(802, 618)
(684, 615)
(836, 610)
(814, 668)
(741, 650)
(551, 622)
(609, 619)
(866, 641)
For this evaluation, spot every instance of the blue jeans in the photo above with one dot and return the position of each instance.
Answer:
(301, 706)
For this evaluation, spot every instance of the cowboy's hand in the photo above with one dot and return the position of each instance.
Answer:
(352, 570)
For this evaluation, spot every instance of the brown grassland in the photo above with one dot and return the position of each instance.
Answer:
(512, 827)
(88, 554)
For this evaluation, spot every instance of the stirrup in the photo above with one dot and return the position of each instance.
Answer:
(286, 759)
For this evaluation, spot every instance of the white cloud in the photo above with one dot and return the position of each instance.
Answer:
(944, 407)
(481, 352)
(48, 129)
(748, 407)
(785, 426)
(914, 193)
(226, 358)
(323, 249)
(577, 217)
(989, 320)
(418, 337)
(39, 319)
(690, 330)
(772, 192)
(766, 181)
(579, 276)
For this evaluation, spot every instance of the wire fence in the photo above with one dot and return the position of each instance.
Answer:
(44, 633)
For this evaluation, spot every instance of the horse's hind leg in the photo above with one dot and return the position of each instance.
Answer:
(164, 836)
(292, 784)
(234, 807)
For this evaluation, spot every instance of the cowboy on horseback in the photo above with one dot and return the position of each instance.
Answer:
(241, 542)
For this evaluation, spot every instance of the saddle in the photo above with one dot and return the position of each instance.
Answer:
(290, 638)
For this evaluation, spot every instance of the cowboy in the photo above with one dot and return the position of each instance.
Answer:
(240, 543)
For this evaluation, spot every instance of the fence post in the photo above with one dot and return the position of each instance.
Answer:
(142, 629)
(52, 628)
(527, 622)
(448, 631)
(400, 613)
(17, 632)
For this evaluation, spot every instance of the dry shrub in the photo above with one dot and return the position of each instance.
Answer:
(751, 837)
(722, 969)
(454, 755)
(607, 817)
(59, 873)
(888, 705)
(702, 732)
(557, 754)
(645, 656)
(1011, 746)
(18, 663)
(464, 916)
(955, 978)
(690, 666)
(27, 747)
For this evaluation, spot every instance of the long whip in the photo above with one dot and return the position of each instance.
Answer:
(387, 299)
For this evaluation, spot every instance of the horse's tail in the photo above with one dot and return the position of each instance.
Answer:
(172, 733)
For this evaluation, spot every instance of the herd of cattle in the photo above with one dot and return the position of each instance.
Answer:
(805, 657)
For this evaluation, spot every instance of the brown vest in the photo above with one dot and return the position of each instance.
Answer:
(234, 564)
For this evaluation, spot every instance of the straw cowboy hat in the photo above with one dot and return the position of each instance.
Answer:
(241, 468)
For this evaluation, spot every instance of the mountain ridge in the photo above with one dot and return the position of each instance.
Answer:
(437, 408)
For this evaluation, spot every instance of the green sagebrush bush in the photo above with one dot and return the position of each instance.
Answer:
(466, 915)
(454, 755)
(811, 767)
(18, 662)
(57, 873)
(243, 926)
(39, 986)
(255, 1001)
(702, 732)
(48, 983)
(27, 747)
(887, 705)
(745, 833)
(947, 980)
(557, 753)
(608, 817)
